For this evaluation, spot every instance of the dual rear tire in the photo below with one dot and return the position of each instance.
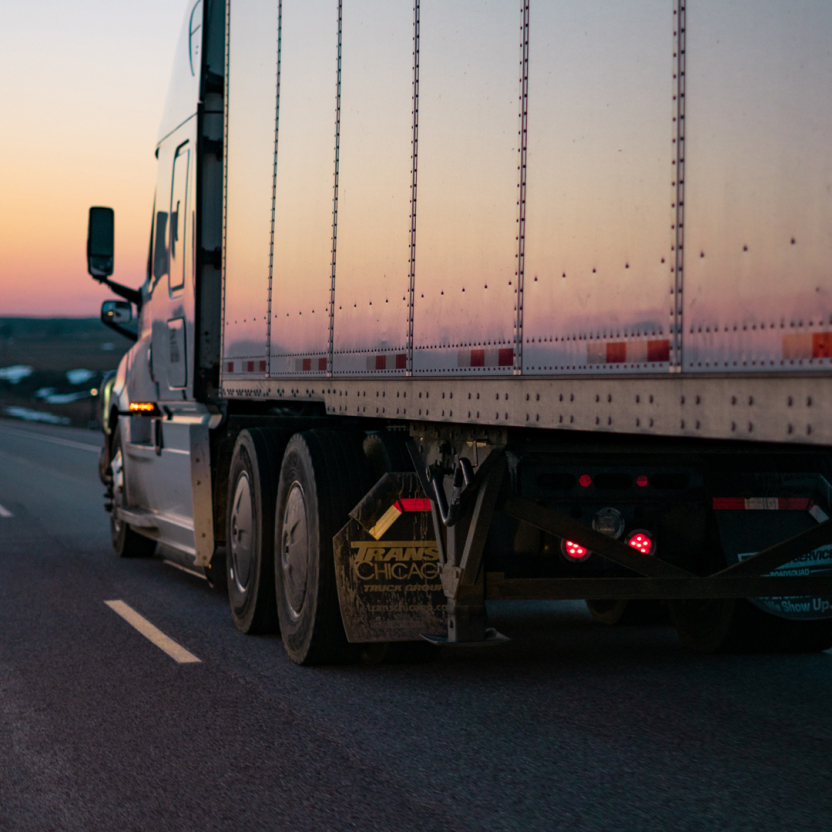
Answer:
(321, 480)
(281, 518)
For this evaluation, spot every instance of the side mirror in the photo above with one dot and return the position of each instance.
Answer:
(116, 311)
(100, 243)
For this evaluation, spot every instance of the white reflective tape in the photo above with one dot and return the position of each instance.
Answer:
(762, 503)
(818, 513)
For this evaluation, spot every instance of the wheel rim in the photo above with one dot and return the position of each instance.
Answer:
(294, 549)
(242, 527)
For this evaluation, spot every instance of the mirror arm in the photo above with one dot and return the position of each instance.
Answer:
(133, 295)
(132, 336)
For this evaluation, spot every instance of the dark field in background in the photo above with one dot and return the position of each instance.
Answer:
(53, 347)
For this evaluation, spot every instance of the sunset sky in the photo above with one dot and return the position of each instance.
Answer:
(83, 89)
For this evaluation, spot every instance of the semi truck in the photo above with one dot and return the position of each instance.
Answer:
(454, 302)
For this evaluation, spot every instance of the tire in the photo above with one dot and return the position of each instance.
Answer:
(725, 626)
(738, 626)
(127, 543)
(252, 487)
(323, 477)
(645, 613)
(804, 636)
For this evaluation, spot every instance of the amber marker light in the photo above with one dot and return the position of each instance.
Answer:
(143, 407)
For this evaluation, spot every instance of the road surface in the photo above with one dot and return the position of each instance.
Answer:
(571, 726)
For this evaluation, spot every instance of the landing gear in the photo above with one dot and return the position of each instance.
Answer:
(252, 486)
(321, 480)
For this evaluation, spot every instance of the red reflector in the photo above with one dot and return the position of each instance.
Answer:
(574, 550)
(585, 480)
(641, 480)
(414, 504)
(617, 352)
(730, 503)
(658, 351)
(505, 357)
(641, 542)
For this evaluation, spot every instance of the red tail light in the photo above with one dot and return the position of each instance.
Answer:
(574, 551)
(641, 541)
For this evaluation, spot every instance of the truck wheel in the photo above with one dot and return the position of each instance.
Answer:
(724, 626)
(252, 485)
(321, 480)
(805, 636)
(126, 542)
(647, 613)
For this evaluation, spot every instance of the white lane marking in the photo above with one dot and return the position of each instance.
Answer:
(69, 443)
(153, 634)
(4, 512)
(185, 569)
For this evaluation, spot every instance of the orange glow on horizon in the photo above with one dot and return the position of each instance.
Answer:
(79, 129)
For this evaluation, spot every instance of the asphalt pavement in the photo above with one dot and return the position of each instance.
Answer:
(570, 726)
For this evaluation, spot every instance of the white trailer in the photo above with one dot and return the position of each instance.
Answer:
(449, 302)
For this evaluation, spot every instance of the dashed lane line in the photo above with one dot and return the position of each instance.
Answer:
(69, 443)
(4, 512)
(154, 634)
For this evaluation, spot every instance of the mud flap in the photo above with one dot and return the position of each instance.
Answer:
(386, 565)
(763, 509)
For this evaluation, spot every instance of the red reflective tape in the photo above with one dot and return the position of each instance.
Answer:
(230, 367)
(793, 503)
(307, 364)
(477, 358)
(732, 503)
(249, 366)
(414, 504)
(505, 358)
(658, 350)
(381, 362)
(821, 344)
(401, 360)
(262, 366)
(770, 503)
(322, 365)
(617, 352)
